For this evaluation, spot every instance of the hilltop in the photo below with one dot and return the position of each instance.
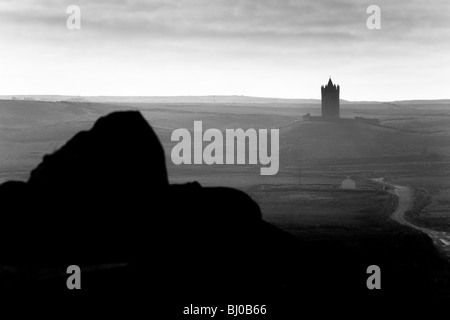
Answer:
(323, 140)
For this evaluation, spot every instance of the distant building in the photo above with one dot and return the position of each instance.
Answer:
(348, 184)
(330, 101)
(330, 104)
(331, 110)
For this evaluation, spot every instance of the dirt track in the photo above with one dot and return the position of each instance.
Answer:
(405, 201)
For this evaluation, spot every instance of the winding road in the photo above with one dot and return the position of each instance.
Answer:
(405, 201)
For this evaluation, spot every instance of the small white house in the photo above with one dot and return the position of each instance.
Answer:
(348, 184)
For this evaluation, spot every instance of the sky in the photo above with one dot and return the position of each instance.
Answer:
(264, 48)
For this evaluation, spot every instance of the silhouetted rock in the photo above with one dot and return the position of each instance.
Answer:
(86, 201)
(115, 156)
(104, 198)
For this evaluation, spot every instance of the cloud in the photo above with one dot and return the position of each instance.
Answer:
(318, 21)
(273, 37)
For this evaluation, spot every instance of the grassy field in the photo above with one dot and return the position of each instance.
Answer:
(321, 211)
(411, 146)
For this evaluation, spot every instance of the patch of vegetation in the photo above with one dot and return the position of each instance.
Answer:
(418, 213)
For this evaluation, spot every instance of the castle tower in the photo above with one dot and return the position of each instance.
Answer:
(330, 101)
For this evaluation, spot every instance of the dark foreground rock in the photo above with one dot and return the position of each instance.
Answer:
(103, 202)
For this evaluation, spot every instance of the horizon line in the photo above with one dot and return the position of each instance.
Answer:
(11, 96)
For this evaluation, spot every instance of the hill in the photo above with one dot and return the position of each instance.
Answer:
(328, 140)
(30, 129)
